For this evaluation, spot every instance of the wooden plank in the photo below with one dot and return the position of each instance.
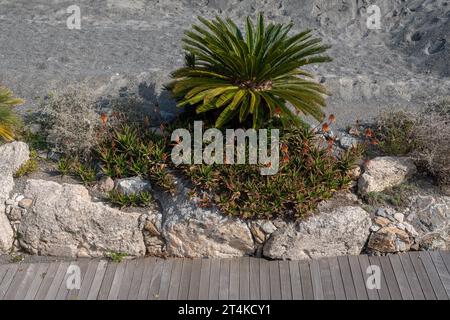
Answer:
(347, 279)
(16, 281)
(327, 282)
(185, 280)
(107, 281)
(117, 281)
(146, 278)
(3, 270)
(98, 280)
(155, 283)
(136, 282)
(394, 289)
(296, 283)
(47, 281)
(214, 280)
(175, 279)
(165, 279)
(63, 290)
(204, 279)
(195, 279)
(400, 275)
(26, 282)
(224, 281)
(433, 275)
(74, 293)
(255, 291)
(37, 281)
(444, 274)
(88, 279)
(372, 294)
(233, 293)
(7, 279)
(244, 278)
(125, 286)
(316, 280)
(336, 278)
(358, 278)
(305, 276)
(410, 273)
(424, 281)
(285, 280)
(383, 292)
(57, 281)
(446, 258)
(264, 280)
(275, 281)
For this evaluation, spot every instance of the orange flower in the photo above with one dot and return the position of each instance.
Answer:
(104, 118)
(332, 118)
(284, 148)
(374, 142)
(286, 158)
(325, 127)
(369, 133)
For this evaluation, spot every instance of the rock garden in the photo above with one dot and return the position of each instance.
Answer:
(89, 176)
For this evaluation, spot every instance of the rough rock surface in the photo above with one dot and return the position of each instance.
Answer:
(341, 231)
(12, 156)
(136, 44)
(423, 225)
(195, 232)
(385, 172)
(64, 221)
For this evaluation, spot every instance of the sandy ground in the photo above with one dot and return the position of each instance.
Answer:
(135, 44)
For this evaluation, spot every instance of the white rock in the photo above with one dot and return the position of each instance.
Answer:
(195, 232)
(63, 221)
(399, 217)
(133, 185)
(342, 231)
(385, 172)
(12, 156)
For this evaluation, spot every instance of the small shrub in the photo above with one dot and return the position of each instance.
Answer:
(116, 257)
(308, 174)
(395, 130)
(28, 167)
(64, 166)
(85, 173)
(142, 199)
(70, 122)
(249, 79)
(9, 122)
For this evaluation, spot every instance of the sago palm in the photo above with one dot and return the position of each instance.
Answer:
(253, 75)
(7, 117)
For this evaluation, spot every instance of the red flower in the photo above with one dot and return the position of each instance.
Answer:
(277, 110)
(325, 127)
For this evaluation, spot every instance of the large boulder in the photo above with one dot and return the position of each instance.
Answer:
(192, 231)
(63, 221)
(340, 231)
(12, 156)
(385, 172)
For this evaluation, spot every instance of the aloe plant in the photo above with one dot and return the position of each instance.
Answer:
(250, 77)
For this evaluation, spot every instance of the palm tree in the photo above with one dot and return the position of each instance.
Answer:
(255, 75)
(8, 120)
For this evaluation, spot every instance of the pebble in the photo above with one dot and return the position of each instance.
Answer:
(25, 203)
(399, 217)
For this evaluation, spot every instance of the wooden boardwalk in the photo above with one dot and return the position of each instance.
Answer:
(411, 276)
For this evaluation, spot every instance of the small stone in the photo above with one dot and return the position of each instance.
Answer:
(374, 228)
(53, 156)
(268, 227)
(410, 229)
(399, 217)
(133, 185)
(355, 173)
(381, 221)
(401, 226)
(151, 228)
(15, 214)
(347, 142)
(105, 184)
(381, 212)
(257, 233)
(19, 198)
(25, 203)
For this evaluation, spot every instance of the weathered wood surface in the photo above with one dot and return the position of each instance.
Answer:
(408, 276)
